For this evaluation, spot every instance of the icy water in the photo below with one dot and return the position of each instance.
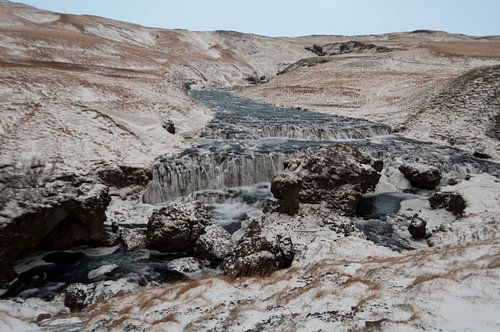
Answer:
(54, 271)
(229, 168)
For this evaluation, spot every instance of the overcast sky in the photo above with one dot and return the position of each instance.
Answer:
(295, 17)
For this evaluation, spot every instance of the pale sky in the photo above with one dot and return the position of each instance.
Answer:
(295, 17)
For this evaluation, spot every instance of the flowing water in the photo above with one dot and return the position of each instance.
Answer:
(229, 167)
(247, 142)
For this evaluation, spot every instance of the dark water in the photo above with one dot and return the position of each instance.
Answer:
(63, 268)
(380, 205)
(383, 233)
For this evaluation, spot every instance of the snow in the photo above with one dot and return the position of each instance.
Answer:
(38, 17)
(138, 35)
(21, 315)
(102, 270)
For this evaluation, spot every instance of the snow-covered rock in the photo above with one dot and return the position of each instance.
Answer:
(451, 201)
(187, 228)
(256, 255)
(133, 238)
(417, 228)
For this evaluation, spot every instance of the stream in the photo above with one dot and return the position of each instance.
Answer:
(229, 167)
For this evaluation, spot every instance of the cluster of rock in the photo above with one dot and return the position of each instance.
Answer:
(187, 228)
(337, 175)
(345, 47)
(429, 177)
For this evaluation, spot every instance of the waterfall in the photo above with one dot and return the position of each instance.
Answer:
(247, 142)
(177, 177)
(296, 131)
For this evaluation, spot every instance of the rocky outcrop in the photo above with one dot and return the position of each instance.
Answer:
(451, 201)
(58, 215)
(337, 175)
(255, 255)
(346, 47)
(124, 176)
(421, 176)
(187, 228)
(308, 62)
(285, 187)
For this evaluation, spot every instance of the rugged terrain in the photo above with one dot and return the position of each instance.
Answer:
(106, 101)
(424, 85)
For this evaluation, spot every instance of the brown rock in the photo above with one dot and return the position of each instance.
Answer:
(421, 176)
(337, 175)
(451, 201)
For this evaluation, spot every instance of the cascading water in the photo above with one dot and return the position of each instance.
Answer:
(247, 142)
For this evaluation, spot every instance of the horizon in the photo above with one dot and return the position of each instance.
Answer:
(319, 18)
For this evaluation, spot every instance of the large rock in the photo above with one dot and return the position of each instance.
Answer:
(255, 255)
(187, 228)
(421, 176)
(54, 216)
(451, 201)
(337, 175)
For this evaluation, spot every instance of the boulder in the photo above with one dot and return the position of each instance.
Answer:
(421, 176)
(337, 175)
(255, 255)
(56, 216)
(451, 201)
(187, 228)
(417, 228)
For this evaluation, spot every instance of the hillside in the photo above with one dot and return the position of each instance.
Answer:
(85, 89)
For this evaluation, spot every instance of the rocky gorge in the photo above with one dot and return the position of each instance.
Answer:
(201, 204)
